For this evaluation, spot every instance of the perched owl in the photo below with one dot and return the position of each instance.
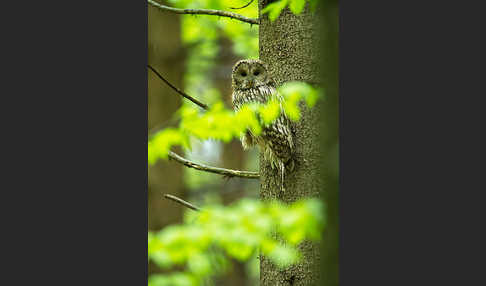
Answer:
(251, 82)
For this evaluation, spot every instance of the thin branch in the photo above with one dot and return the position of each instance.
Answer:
(243, 6)
(216, 170)
(206, 12)
(182, 202)
(185, 95)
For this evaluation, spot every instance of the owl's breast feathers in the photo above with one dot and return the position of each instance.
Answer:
(276, 140)
(259, 94)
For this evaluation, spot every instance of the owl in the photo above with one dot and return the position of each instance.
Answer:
(251, 82)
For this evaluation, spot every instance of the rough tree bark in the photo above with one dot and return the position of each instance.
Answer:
(289, 46)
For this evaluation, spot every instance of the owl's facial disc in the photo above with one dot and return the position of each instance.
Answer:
(258, 73)
(250, 76)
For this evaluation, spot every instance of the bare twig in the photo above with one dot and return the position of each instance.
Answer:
(182, 202)
(242, 6)
(205, 12)
(185, 95)
(221, 171)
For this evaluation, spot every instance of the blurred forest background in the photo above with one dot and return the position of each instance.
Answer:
(196, 54)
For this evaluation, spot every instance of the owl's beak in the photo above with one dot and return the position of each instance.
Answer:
(250, 83)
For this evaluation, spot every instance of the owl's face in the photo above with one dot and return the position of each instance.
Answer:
(250, 74)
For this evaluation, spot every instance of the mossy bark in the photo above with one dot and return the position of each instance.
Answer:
(289, 46)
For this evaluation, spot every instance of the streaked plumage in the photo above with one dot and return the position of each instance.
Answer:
(251, 82)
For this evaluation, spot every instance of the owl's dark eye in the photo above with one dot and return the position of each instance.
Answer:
(243, 73)
(255, 73)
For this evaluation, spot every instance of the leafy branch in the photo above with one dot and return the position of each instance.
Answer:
(205, 12)
(201, 167)
(223, 124)
(240, 231)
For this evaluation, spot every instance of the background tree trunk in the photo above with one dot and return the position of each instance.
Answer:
(329, 141)
(290, 48)
(233, 156)
(164, 54)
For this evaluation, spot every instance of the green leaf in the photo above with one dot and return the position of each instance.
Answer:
(297, 6)
(240, 251)
(284, 256)
(176, 279)
(154, 245)
(270, 112)
(160, 144)
(274, 9)
(294, 91)
(312, 97)
(240, 231)
(292, 110)
(199, 264)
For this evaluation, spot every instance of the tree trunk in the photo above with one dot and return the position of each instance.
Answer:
(164, 46)
(233, 155)
(329, 141)
(289, 46)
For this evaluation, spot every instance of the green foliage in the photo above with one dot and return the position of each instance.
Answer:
(160, 145)
(296, 6)
(201, 34)
(176, 279)
(206, 239)
(294, 92)
(200, 248)
(224, 124)
(274, 9)
(270, 111)
(202, 38)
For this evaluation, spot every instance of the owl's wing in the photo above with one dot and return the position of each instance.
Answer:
(236, 107)
(280, 99)
(247, 140)
(279, 135)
